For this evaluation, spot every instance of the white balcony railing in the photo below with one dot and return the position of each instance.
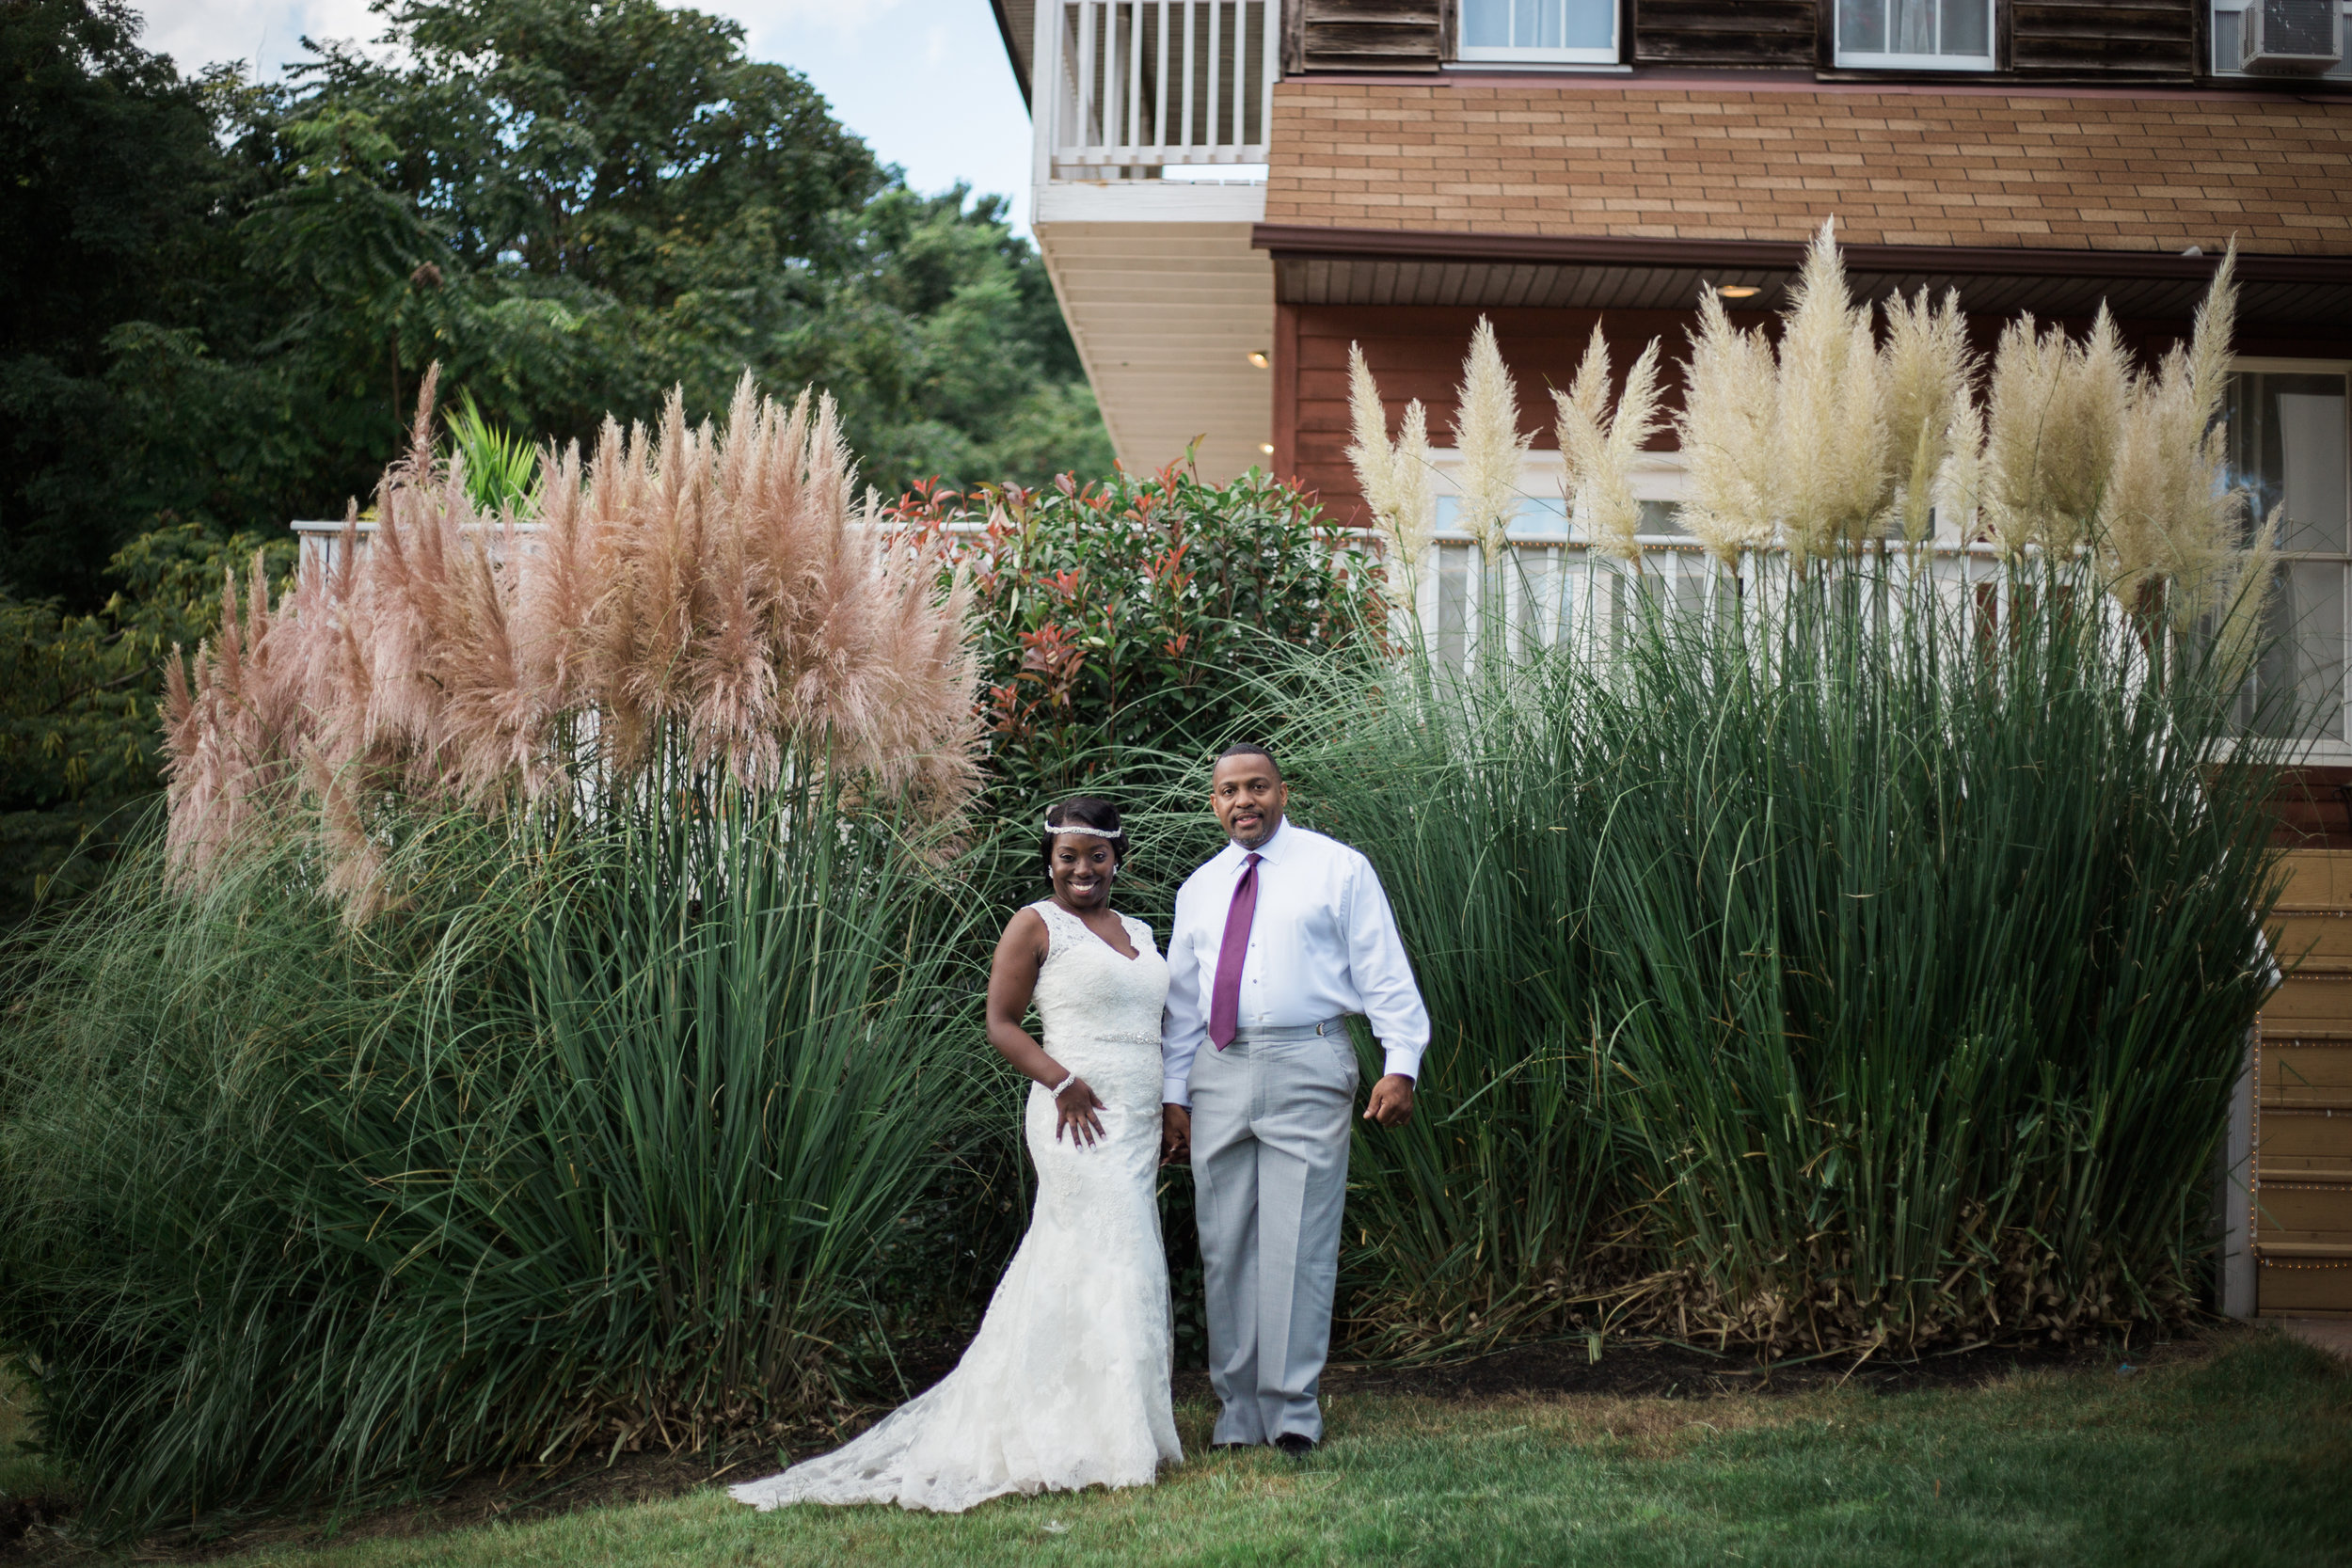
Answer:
(1133, 87)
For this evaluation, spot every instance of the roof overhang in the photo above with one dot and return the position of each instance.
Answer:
(1016, 23)
(1380, 266)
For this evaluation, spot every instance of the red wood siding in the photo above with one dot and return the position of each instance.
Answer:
(1416, 352)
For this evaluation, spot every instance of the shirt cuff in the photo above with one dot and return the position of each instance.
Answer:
(1176, 1091)
(1403, 1060)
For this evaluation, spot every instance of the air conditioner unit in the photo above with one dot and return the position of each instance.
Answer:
(2291, 34)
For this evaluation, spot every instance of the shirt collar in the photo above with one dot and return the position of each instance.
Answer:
(1272, 850)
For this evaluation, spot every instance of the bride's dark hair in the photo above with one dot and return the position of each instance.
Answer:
(1081, 811)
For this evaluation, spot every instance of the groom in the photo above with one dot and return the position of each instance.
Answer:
(1277, 939)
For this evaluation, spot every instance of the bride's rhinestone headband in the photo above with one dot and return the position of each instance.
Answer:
(1081, 828)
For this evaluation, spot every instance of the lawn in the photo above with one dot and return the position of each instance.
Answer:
(2241, 1458)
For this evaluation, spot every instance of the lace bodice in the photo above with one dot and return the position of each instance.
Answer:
(1090, 995)
(1066, 1385)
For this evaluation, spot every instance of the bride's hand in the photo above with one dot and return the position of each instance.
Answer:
(1077, 1104)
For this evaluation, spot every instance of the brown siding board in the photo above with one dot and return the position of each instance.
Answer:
(1760, 33)
(2104, 57)
(1776, 50)
(2091, 38)
(1727, 16)
(1374, 35)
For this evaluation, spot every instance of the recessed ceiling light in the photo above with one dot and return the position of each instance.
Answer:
(1739, 291)
(1265, 448)
(1257, 358)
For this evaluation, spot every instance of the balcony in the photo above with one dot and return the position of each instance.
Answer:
(1145, 90)
(1153, 132)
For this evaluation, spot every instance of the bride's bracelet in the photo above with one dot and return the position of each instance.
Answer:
(1068, 1079)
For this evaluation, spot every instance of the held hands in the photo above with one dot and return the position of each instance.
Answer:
(1077, 1105)
(1175, 1135)
(1392, 1101)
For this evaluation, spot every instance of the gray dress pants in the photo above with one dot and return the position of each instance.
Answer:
(1270, 1122)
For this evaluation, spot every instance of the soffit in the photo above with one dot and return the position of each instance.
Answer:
(1165, 316)
(1328, 266)
(1017, 20)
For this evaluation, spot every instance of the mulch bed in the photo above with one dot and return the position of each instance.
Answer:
(1643, 1370)
(34, 1531)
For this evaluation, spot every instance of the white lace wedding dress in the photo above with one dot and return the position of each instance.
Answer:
(1067, 1384)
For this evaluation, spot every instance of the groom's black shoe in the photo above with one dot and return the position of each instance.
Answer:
(1295, 1444)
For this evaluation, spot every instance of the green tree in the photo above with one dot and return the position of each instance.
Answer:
(217, 301)
(108, 215)
(78, 733)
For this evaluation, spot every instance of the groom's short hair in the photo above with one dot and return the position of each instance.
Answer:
(1248, 749)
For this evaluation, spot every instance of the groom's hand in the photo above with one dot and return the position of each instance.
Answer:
(1392, 1101)
(1175, 1135)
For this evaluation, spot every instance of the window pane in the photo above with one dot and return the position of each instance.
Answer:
(1455, 566)
(1591, 24)
(2302, 678)
(1968, 27)
(2311, 470)
(2287, 448)
(1915, 26)
(1862, 26)
(1486, 23)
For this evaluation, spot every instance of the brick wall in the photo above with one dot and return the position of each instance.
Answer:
(1944, 166)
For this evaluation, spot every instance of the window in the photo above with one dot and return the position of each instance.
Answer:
(2290, 434)
(1570, 32)
(1915, 34)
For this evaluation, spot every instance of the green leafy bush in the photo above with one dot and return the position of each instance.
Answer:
(1127, 626)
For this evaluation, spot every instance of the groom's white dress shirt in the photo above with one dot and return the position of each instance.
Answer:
(1322, 943)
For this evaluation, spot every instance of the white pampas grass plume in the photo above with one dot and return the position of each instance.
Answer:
(2172, 526)
(1928, 368)
(1959, 482)
(1486, 434)
(698, 603)
(2028, 378)
(1726, 429)
(2099, 379)
(1416, 492)
(1598, 444)
(1396, 478)
(1831, 438)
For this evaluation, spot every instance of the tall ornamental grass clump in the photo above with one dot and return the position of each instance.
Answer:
(1862, 953)
(534, 1029)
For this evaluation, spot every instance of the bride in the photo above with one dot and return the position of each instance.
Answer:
(1067, 1384)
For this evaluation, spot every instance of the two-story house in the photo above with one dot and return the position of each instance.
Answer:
(1230, 192)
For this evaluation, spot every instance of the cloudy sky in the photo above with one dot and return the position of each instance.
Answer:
(925, 82)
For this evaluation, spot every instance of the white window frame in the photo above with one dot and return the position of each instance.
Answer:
(1848, 59)
(1495, 55)
(2321, 751)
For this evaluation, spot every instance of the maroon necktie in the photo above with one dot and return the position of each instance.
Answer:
(1225, 995)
